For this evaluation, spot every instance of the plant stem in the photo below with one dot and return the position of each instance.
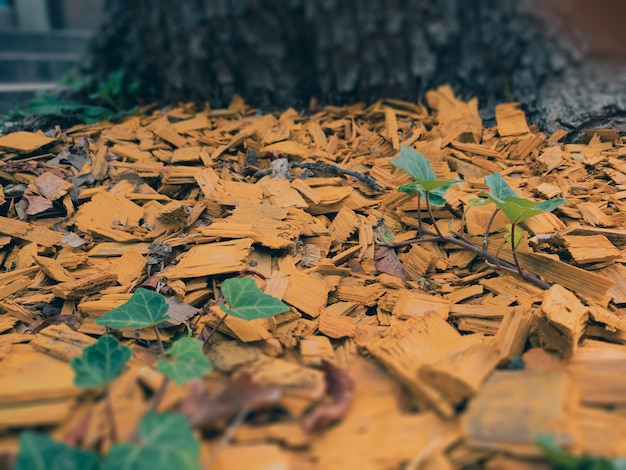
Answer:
(160, 342)
(492, 259)
(420, 228)
(214, 330)
(432, 217)
(158, 396)
(108, 407)
(514, 250)
(488, 228)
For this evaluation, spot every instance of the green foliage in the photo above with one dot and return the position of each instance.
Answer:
(100, 363)
(188, 361)
(165, 442)
(145, 308)
(516, 208)
(563, 460)
(40, 452)
(245, 300)
(49, 103)
(116, 92)
(426, 183)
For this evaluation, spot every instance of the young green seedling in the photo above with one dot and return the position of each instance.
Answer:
(426, 184)
(516, 208)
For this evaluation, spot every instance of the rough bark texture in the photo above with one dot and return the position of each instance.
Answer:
(278, 53)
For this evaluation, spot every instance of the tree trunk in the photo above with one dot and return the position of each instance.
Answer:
(279, 53)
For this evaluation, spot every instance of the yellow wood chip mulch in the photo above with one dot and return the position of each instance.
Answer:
(455, 363)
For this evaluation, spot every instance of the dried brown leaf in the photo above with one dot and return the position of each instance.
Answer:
(205, 411)
(340, 389)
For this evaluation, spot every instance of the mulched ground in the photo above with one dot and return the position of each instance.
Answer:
(420, 356)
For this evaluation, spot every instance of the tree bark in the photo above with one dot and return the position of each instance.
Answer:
(280, 53)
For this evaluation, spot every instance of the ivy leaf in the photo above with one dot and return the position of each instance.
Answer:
(100, 363)
(426, 183)
(245, 300)
(40, 452)
(516, 208)
(165, 442)
(145, 308)
(188, 361)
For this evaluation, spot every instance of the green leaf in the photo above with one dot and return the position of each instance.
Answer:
(40, 452)
(516, 208)
(189, 362)
(563, 460)
(479, 201)
(415, 164)
(145, 308)
(100, 363)
(426, 183)
(245, 300)
(500, 189)
(165, 442)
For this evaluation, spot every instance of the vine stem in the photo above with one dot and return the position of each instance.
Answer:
(108, 406)
(214, 330)
(158, 395)
(514, 250)
(460, 240)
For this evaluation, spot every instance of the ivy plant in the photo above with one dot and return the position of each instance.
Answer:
(165, 441)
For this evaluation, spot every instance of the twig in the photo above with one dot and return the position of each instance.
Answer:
(337, 170)
(227, 436)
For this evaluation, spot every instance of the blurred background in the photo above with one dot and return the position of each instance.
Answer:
(40, 41)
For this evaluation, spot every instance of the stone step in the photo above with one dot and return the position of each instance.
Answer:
(63, 41)
(35, 66)
(19, 94)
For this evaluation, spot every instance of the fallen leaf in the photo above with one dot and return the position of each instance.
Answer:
(340, 389)
(387, 262)
(37, 204)
(205, 411)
